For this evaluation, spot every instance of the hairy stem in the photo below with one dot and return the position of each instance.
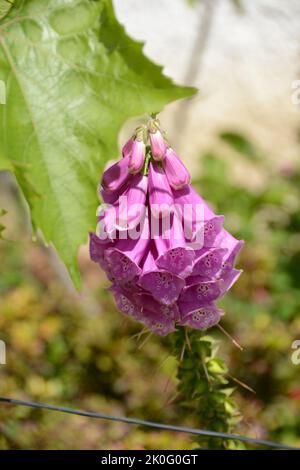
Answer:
(203, 387)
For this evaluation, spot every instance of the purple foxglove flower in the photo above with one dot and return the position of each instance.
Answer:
(163, 285)
(161, 199)
(146, 301)
(173, 254)
(208, 262)
(137, 156)
(97, 249)
(202, 291)
(127, 148)
(201, 318)
(131, 286)
(158, 145)
(125, 302)
(108, 198)
(163, 275)
(177, 174)
(232, 245)
(112, 197)
(127, 212)
(229, 279)
(198, 216)
(124, 257)
(116, 175)
(157, 322)
(158, 317)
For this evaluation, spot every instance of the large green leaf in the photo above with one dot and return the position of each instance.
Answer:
(73, 77)
(5, 6)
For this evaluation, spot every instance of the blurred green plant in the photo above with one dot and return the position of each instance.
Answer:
(238, 4)
(240, 143)
(77, 351)
(203, 387)
(2, 227)
(5, 6)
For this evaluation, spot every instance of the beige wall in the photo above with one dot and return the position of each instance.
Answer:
(245, 71)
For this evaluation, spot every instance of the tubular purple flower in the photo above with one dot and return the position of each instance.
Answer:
(203, 291)
(127, 148)
(125, 302)
(158, 317)
(151, 305)
(124, 257)
(163, 285)
(116, 175)
(137, 156)
(158, 145)
(108, 198)
(208, 262)
(201, 318)
(157, 322)
(198, 217)
(225, 240)
(161, 199)
(168, 256)
(127, 212)
(177, 174)
(172, 252)
(97, 248)
(229, 279)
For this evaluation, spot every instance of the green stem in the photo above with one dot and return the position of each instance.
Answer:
(203, 387)
(146, 164)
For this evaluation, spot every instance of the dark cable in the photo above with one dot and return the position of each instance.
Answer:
(141, 422)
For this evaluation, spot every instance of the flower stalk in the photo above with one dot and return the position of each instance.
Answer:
(203, 388)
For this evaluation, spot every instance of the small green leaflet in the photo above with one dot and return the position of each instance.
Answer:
(2, 227)
(73, 77)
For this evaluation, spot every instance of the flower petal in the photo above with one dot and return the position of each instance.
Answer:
(173, 254)
(124, 257)
(127, 148)
(147, 302)
(125, 302)
(201, 224)
(208, 262)
(200, 318)
(157, 323)
(160, 195)
(158, 145)
(116, 175)
(177, 174)
(163, 285)
(229, 279)
(137, 156)
(128, 211)
(204, 292)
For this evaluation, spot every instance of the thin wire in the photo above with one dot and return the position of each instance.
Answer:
(152, 424)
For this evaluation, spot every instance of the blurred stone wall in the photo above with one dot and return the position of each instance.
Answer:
(243, 60)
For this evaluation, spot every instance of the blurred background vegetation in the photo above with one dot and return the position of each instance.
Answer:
(77, 350)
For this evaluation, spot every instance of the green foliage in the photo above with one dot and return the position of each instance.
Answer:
(79, 351)
(68, 349)
(240, 143)
(203, 387)
(2, 227)
(73, 78)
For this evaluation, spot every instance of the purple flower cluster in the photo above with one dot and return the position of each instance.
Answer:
(172, 275)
